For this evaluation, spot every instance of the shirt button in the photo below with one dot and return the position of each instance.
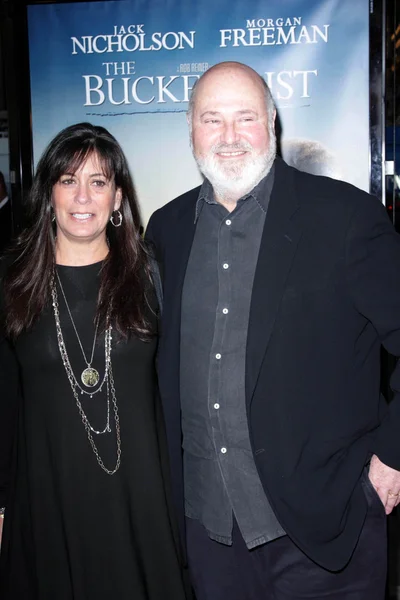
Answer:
(216, 406)
(225, 311)
(223, 450)
(228, 222)
(218, 356)
(226, 266)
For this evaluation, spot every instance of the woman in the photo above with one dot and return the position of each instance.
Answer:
(86, 514)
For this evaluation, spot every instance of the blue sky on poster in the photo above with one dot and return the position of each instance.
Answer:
(321, 88)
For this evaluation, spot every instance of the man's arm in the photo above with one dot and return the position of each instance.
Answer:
(150, 233)
(153, 241)
(373, 272)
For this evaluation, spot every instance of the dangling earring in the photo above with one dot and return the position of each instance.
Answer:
(119, 215)
(53, 215)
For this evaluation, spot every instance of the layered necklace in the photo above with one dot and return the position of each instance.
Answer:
(89, 377)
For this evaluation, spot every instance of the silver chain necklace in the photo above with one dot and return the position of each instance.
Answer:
(89, 376)
(108, 378)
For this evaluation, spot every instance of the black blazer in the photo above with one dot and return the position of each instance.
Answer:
(326, 294)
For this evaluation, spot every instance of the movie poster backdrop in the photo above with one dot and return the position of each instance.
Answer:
(129, 66)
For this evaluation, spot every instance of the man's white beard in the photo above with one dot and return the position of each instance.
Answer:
(235, 178)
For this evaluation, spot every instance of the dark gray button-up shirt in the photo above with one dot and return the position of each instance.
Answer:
(220, 475)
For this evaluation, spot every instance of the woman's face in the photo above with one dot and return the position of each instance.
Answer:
(83, 202)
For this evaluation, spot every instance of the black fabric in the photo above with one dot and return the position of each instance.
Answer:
(9, 401)
(71, 531)
(157, 283)
(326, 294)
(5, 225)
(279, 570)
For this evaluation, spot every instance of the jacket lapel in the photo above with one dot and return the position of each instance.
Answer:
(277, 250)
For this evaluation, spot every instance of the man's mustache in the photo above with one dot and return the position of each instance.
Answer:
(236, 147)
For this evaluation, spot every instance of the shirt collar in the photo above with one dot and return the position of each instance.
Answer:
(260, 193)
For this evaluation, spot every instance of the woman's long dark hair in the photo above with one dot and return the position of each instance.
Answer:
(125, 275)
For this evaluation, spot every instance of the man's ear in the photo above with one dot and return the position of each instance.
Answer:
(274, 119)
(189, 121)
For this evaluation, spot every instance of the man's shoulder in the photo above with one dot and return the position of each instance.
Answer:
(175, 207)
(320, 190)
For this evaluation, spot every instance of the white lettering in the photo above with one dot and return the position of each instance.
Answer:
(134, 90)
(89, 90)
(162, 89)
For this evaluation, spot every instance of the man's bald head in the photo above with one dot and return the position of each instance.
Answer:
(232, 66)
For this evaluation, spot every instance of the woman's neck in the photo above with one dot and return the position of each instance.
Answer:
(79, 255)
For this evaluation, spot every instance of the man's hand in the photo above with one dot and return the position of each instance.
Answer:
(386, 482)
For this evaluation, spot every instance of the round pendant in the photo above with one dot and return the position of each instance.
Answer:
(90, 377)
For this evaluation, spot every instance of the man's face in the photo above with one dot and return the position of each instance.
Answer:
(233, 143)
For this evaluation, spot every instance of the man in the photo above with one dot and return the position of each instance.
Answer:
(279, 287)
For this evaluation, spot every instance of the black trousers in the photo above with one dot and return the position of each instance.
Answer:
(280, 571)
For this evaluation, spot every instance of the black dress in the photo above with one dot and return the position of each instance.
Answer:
(73, 532)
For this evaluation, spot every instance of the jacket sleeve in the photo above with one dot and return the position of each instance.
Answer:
(153, 240)
(373, 276)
